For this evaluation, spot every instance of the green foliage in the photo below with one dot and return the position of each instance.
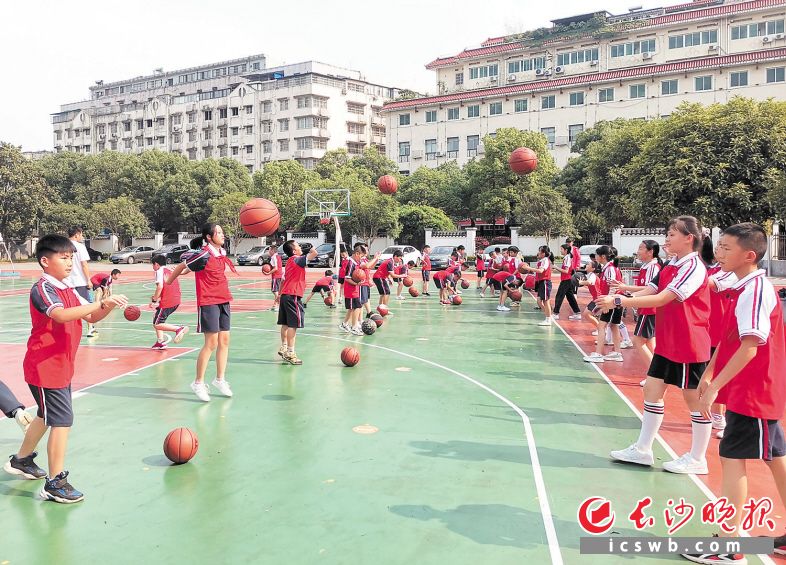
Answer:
(414, 218)
(444, 187)
(58, 218)
(544, 211)
(406, 94)
(122, 215)
(23, 194)
(284, 182)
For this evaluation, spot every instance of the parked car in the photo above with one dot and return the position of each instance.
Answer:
(440, 257)
(94, 255)
(326, 255)
(132, 254)
(171, 252)
(410, 253)
(254, 256)
(585, 251)
(486, 253)
(304, 247)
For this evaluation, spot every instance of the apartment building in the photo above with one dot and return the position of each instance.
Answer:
(589, 68)
(238, 109)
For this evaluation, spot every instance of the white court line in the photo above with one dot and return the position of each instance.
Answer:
(540, 486)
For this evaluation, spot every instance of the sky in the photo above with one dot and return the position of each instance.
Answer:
(53, 51)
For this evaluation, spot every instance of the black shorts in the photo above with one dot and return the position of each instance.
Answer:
(162, 314)
(496, 285)
(54, 405)
(352, 303)
(591, 307)
(365, 294)
(84, 293)
(543, 289)
(481, 273)
(613, 317)
(439, 283)
(426, 275)
(340, 280)
(645, 326)
(383, 286)
(290, 311)
(681, 375)
(275, 285)
(320, 288)
(746, 437)
(213, 318)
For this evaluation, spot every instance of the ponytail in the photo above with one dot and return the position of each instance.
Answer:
(707, 252)
(207, 230)
(610, 253)
(547, 252)
(653, 246)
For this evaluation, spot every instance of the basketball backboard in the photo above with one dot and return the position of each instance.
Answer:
(327, 202)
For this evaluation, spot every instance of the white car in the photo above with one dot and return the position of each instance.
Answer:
(410, 253)
(585, 251)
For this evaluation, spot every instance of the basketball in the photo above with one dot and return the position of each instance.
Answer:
(266, 269)
(324, 221)
(413, 292)
(383, 310)
(523, 268)
(387, 184)
(350, 356)
(358, 275)
(523, 161)
(464, 284)
(368, 326)
(180, 445)
(377, 319)
(259, 217)
(515, 295)
(132, 313)
(456, 300)
(408, 282)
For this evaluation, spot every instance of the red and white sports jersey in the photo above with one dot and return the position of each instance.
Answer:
(351, 290)
(646, 274)
(682, 326)
(295, 281)
(51, 348)
(324, 281)
(384, 269)
(567, 263)
(170, 293)
(480, 264)
(544, 263)
(513, 264)
(275, 264)
(364, 262)
(718, 300)
(576, 255)
(342, 271)
(594, 282)
(759, 389)
(609, 273)
(426, 262)
(209, 264)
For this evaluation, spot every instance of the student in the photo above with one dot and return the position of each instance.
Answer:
(57, 312)
(101, 284)
(351, 323)
(366, 264)
(566, 287)
(592, 282)
(322, 286)
(575, 254)
(291, 316)
(209, 262)
(748, 372)
(480, 268)
(12, 408)
(402, 271)
(165, 299)
(611, 315)
(443, 280)
(682, 345)
(505, 281)
(543, 281)
(490, 273)
(460, 261)
(426, 269)
(383, 274)
(276, 275)
(342, 268)
(80, 277)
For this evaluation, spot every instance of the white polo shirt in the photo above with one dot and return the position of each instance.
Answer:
(77, 277)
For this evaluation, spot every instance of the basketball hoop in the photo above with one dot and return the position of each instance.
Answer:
(324, 218)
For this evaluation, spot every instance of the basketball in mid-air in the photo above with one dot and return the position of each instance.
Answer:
(464, 284)
(523, 161)
(259, 217)
(408, 282)
(413, 292)
(387, 184)
(132, 313)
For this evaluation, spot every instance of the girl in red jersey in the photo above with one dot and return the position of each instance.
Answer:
(566, 288)
(680, 294)
(591, 281)
(208, 261)
(611, 315)
(480, 267)
(426, 269)
(543, 281)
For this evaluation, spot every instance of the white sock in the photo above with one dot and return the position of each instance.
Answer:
(608, 334)
(290, 349)
(653, 418)
(700, 439)
(624, 332)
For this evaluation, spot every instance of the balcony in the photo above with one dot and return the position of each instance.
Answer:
(356, 138)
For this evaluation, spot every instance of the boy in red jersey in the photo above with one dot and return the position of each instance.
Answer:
(102, 288)
(342, 268)
(383, 274)
(366, 264)
(505, 281)
(322, 286)
(480, 269)
(444, 282)
(276, 275)
(166, 299)
(351, 323)
(291, 316)
(57, 312)
(748, 373)
(426, 269)
(401, 272)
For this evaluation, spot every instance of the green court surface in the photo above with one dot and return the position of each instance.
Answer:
(490, 432)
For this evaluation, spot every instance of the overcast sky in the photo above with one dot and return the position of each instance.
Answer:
(54, 50)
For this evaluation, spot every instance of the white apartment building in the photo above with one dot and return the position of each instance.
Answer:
(238, 109)
(638, 65)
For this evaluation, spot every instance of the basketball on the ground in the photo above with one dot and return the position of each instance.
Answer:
(515, 295)
(259, 217)
(413, 292)
(358, 275)
(378, 320)
(387, 184)
(408, 282)
(464, 284)
(523, 161)
(180, 445)
(383, 310)
(328, 300)
(368, 326)
(350, 356)
(456, 300)
(132, 313)
(267, 269)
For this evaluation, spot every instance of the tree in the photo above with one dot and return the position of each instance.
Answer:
(225, 211)
(58, 218)
(122, 216)
(332, 161)
(23, 193)
(544, 211)
(371, 165)
(415, 218)
(444, 187)
(284, 183)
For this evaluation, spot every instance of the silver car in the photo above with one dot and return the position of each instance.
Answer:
(132, 254)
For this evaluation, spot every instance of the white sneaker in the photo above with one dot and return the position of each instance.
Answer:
(614, 356)
(399, 298)
(627, 344)
(200, 389)
(356, 331)
(274, 309)
(546, 322)
(23, 418)
(633, 454)
(502, 308)
(555, 316)
(643, 382)
(686, 465)
(343, 326)
(594, 357)
(223, 387)
(574, 317)
(718, 422)
(594, 332)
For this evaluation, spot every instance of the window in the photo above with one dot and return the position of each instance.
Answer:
(550, 134)
(192, 135)
(161, 140)
(249, 149)
(235, 150)
(113, 127)
(267, 107)
(776, 74)
(283, 125)
(191, 117)
(127, 143)
(548, 102)
(638, 91)
(703, 83)
(222, 132)
(633, 48)
(267, 147)
(250, 168)
(58, 135)
(606, 95)
(283, 145)
(250, 108)
(235, 111)
(177, 119)
(473, 111)
(576, 98)
(283, 104)
(126, 127)
(403, 151)
(207, 134)
(472, 145)
(431, 116)
(738, 79)
(235, 132)
(459, 79)
(101, 129)
(453, 147)
(574, 131)
(757, 30)
(693, 39)
(403, 119)
(431, 149)
(355, 128)
(575, 57)
(149, 141)
(208, 115)
(483, 71)
(208, 151)
(140, 124)
(160, 121)
(222, 113)
(267, 127)
(222, 151)
(520, 105)
(526, 65)
(453, 113)
(668, 87)
(495, 109)
(250, 129)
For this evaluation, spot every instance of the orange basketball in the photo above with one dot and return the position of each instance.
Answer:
(260, 217)
(523, 161)
(408, 281)
(132, 313)
(387, 184)
(358, 275)
(324, 221)
(267, 269)
(413, 292)
(180, 445)
(350, 356)
(515, 295)
(523, 268)
(456, 300)
(328, 300)
(464, 284)
(383, 310)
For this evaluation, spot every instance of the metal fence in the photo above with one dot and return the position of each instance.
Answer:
(778, 247)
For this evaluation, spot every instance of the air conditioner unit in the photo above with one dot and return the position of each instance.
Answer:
(539, 72)
(493, 80)
(780, 36)
(766, 39)
(417, 153)
(559, 69)
(439, 154)
(712, 48)
(511, 78)
(547, 73)
(593, 63)
(646, 55)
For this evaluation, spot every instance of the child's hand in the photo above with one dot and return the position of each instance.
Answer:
(117, 300)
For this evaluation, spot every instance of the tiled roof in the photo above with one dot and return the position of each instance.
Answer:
(691, 5)
(622, 74)
(491, 46)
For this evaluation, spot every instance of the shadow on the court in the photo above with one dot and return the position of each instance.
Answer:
(145, 392)
(278, 397)
(157, 461)
(543, 416)
(540, 377)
